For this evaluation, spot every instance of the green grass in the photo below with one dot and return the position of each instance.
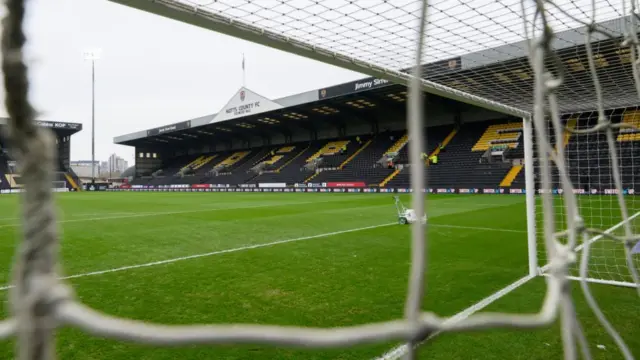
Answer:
(607, 257)
(477, 245)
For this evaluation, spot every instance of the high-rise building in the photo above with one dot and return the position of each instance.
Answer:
(116, 164)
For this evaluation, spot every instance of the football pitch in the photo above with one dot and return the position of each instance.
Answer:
(320, 260)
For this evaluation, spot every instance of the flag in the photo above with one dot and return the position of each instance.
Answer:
(242, 62)
(636, 248)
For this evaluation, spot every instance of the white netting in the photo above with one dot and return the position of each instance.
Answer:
(41, 302)
(475, 46)
(590, 170)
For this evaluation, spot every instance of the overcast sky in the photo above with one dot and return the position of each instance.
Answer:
(154, 71)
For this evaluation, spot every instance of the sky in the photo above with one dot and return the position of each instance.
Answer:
(153, 71)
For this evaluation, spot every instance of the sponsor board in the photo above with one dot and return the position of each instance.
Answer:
(468, 191)
(493, 191)
(96, 187)
(272, 185)
(59, 125)
(200, 186)
(357, 184)
(179, 186)
(169, 128)
(212, 188)
(352, 87)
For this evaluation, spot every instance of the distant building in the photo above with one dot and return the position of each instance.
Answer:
(114, 165)
(82, 168)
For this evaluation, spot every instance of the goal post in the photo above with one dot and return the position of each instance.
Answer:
(530, 194)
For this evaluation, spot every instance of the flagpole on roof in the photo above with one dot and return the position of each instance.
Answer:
(244, 82)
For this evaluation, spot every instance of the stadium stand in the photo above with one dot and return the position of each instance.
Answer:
(357, 159)
(65, 176)
(293, 171)
(361, 165)
(460, 163)
(358, 138)
(588, 157)
(4, 170)
(631, 118)
(72, 180)
(278, 159)
(485, 154)
(334, 153)
(238, 167)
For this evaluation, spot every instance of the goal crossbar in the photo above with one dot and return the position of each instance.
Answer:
(220, 23)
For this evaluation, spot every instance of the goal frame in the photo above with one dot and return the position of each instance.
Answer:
(201, 17)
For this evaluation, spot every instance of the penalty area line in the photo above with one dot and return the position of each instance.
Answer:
(400, 351)
(219, 252)
(242, 248)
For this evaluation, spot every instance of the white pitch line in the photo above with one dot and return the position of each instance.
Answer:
(147, 214)
(398, 352)
(476, 228)
(62, 214)
(219, 252)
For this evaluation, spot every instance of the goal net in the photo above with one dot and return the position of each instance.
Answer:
(542, 61)
(590, 166)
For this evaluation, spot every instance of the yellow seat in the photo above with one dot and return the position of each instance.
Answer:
(499, 133)
(234, 158)
(627, 134)
(286, 149)
(329, 149)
